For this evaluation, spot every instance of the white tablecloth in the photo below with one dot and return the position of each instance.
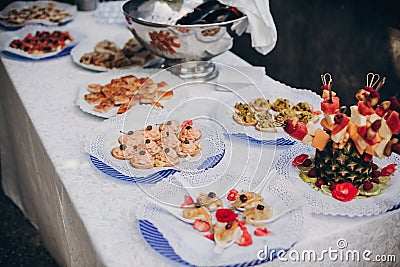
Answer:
(86, 218)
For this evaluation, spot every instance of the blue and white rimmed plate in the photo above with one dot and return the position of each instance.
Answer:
(320, 203)
(224, 113)
(179, 242)
(7, 37)
(100, 142)
(19, 5)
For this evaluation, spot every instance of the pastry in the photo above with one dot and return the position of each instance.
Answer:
(210, 201)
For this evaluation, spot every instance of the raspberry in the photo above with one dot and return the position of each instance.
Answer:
(368, 186)
(319, 182)
(312, 173)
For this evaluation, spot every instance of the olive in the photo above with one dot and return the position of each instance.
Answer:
(147, 141)
(188, 127)
(228, 225)
(243, 198)
(197, 204)
(212, 194)
(130, 132)
(169, 122)
(186, 141)
(142, 152)
(167, 133)
(148, 128)
(122, 146)
(260, 207)
(166, 150)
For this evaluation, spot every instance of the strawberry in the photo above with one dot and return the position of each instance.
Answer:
(380, 111)
(232, 195)
(210, 236)
(245, 239)
(388, 170)
(201, 226)
(261, 231)
(187, 123)
(289, 126)
(300, 159)
(341, 121)
(188, 201)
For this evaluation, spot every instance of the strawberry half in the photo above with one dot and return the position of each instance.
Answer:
(210, 236)
(261, 231)
(389, 169)
(188, 201)
(201, 226)
(245, 239)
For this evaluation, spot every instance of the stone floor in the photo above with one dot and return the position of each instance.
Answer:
(347, 38)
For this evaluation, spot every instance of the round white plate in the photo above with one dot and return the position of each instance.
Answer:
(71, 9)
(7, 37)
(321, 203)
(156, 75)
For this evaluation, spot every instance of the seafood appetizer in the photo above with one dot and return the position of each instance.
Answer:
(268, 117)
(42, 42)
(156, 146)
(34, 12)
(343, 165)
(126, 92)
(227, 226)
(107, 54)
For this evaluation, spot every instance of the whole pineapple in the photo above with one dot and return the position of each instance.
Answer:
(342, 165)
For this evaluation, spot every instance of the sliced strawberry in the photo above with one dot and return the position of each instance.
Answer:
(299, 159)
(364, 110)
(362, 131)
(316, 112)
(341, 121)
(188, 201)
(187, 123)
(329, 106)
(201, 226)
(261, 231)
(245, 239)
(210, 236)
(393, 121)
(300, 131)
(389, 169)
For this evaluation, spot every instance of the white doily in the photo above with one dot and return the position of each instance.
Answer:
(321, 203)
(194, 248)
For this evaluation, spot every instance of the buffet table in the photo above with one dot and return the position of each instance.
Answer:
(88, 219)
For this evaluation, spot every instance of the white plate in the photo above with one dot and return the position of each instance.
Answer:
(156, 75)
(104, 138)
(71, 9)
(224, 113)
(7, 37)
(187, 246)
(88, 45)
(321, 203)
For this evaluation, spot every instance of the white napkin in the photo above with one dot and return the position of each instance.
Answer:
(261, 24)
(238, 77)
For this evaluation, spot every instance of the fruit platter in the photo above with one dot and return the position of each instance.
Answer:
(351, 158)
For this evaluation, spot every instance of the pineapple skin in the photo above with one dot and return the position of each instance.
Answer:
(342, 165)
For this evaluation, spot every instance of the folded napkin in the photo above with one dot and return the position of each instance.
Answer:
(261, 24)
(232, 78)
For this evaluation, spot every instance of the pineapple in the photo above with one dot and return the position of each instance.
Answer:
(342, 165)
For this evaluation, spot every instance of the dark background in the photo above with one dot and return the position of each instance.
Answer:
(346, 38)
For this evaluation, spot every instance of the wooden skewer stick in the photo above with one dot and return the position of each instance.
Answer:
(381, 83)
(371, 79)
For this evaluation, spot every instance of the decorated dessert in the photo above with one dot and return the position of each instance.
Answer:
(107, 54)
(42, 42)
(226, 226)
(34, 12)
(156, 146)
(126, 92)
(345, 146)
(267, 117)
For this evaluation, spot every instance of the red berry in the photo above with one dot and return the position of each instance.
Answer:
(312, 172)
(376, 125)
(332, 186)
(374, 166)
(261, 231)
(319, 182)
(289, 126)
(338, 118)
(375, 180)
(201, 226)
(376, 174)
(307, 163)
(368, 186)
